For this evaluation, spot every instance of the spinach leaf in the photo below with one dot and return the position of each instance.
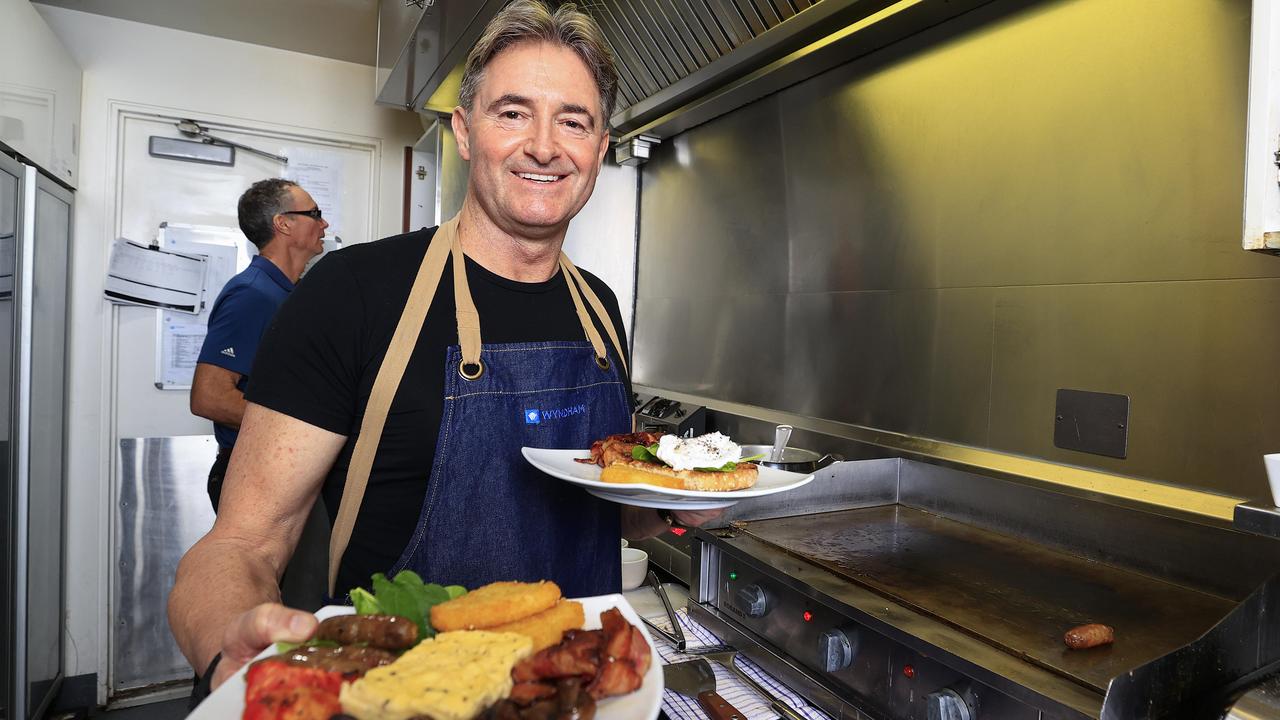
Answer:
(647, 454)
(397, 599)
(365, 602)
(731, 466)
(407, 596)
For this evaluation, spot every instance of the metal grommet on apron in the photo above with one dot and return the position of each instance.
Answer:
(467, 374)
(487, 514)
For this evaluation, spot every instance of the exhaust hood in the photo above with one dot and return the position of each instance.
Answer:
(420, 42)
(680, 62)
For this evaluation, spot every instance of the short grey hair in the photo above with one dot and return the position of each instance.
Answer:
(534, 21)
(259, 206)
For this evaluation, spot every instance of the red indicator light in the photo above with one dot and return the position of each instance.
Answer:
(808, 616)
(679, 531)
(909, 671)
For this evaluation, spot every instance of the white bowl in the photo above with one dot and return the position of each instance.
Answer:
(635, 566)
(625, 543)
(1272, 463)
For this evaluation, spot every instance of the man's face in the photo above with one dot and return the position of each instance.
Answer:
(305, 232)
(535, 138)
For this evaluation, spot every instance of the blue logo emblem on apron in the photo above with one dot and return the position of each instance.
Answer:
(532, 416)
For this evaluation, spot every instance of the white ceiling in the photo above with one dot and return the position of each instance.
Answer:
(340, 29)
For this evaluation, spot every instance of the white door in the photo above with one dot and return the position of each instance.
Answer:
(164, 508)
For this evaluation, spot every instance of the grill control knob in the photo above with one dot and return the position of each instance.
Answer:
(836, 649)
(947, 704)
(752, 601)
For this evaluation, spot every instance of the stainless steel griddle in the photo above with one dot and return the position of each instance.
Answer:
(1016, 595)
(897, 589)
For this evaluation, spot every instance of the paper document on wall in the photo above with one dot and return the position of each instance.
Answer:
(180, 341)
(179, 338)
(152, 277)
(319, 172)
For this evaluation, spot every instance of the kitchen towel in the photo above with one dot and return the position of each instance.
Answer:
(732, 688)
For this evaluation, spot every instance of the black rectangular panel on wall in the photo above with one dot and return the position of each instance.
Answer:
(1092, 422)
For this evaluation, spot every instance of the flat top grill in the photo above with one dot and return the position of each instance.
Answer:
(1014, 594)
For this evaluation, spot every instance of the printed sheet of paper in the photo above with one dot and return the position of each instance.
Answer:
(180, 343)
(180, 337)
(319, 172)
(150, 277)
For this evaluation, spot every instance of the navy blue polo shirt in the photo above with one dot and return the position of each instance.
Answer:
(241, 313)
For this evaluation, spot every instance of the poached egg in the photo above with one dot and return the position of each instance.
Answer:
(705, 451)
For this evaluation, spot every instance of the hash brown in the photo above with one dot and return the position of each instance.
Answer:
(547, 627)
(494, 604)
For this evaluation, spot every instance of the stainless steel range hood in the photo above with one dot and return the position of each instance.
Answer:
(671, 52)
(680, 62)
(419, 46)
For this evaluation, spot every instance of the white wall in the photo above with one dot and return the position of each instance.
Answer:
(602, 237)
(180, 74)
(39, 91)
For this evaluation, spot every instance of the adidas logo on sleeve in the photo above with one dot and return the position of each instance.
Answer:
(229, 352)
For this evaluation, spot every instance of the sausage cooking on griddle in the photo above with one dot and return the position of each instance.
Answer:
(1089, 636)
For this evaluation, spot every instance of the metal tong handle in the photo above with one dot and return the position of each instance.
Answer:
(725, 656)
(781, 436)
(676, 636)
(778, 704)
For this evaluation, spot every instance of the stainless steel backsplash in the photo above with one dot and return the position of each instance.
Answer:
(935, 238)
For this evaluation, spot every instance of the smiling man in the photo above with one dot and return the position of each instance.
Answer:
(401, 380)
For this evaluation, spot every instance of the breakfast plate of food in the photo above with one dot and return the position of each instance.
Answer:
(408, 649)
(665, 471)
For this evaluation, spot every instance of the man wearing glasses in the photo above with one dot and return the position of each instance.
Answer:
(282, 220)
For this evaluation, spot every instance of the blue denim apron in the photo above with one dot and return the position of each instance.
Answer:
(488, 515)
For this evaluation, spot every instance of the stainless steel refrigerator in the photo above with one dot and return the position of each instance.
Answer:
(35, 232)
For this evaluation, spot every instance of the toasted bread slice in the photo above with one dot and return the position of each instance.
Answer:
(638, 471)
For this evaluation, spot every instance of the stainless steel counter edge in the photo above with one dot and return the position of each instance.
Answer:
(1149, 495)
(1258, 517)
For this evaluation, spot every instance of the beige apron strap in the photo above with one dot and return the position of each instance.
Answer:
(385, 384)
(574, 277)
(468, 318)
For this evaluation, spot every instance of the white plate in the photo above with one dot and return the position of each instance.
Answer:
(227, 702)
(561, 464)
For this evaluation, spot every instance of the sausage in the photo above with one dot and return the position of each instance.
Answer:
(1089, 636)
(350, 661)
(389, 632)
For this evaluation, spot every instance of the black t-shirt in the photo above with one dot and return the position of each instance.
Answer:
(322, 351)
